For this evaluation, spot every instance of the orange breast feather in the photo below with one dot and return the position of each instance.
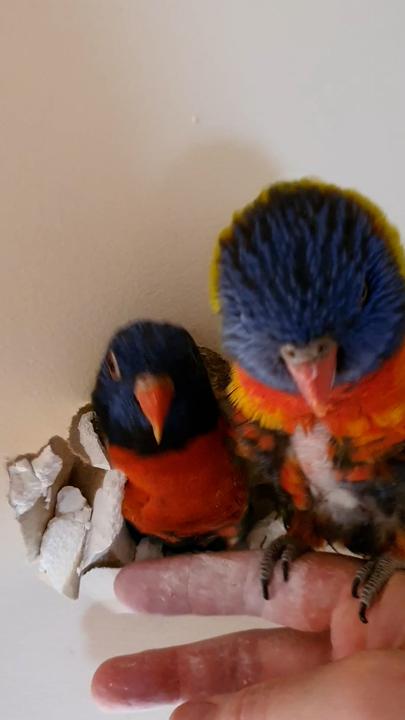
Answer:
(371, 412)
(179, 494)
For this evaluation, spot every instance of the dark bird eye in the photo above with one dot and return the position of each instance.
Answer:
(364, 294)
(113, 367)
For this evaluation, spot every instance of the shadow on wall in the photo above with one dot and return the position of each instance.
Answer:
(187, 210)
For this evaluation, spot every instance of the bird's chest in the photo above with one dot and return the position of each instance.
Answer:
(312, 451)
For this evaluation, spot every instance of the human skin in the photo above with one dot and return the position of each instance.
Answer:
(324, 664)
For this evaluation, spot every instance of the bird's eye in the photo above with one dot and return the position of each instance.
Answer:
(290, 353)
(364, 294)
(113, 367)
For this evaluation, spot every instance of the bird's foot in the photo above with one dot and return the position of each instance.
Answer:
(285, 548)
(372, 578)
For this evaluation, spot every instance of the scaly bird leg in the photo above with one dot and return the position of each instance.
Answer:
(372, 578)
(299, 539)
(285, 548)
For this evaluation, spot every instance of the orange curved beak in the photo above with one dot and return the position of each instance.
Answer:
(314, 379)
(154, 394)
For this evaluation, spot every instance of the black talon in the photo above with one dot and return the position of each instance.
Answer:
(363, 613)
(371, 580)
(355, 587)
(284, 549)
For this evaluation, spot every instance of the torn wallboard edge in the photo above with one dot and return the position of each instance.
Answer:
(85, 440)
(108, 535)
(68, 505)
(108, 539)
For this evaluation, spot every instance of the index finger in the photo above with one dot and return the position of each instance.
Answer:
(229, 584)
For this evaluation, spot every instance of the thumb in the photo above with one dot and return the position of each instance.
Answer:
(366, 686)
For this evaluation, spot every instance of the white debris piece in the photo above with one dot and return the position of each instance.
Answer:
(34, 484)
(25, 488)
(70, 501)
(90, 442)
(107, 532)
(30, 481)
(63, 541)
(47, 466)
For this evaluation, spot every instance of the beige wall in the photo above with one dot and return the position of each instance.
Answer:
(129, 131)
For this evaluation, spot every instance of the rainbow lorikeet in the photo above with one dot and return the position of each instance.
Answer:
(309, 281)
(162, 427)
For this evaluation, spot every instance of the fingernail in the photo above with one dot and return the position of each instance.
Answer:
(195, 711)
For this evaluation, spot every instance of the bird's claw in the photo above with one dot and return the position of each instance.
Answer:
(371, 579)
(285, 548)
(265, 589)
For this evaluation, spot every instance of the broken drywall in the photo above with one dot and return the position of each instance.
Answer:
(67, 500)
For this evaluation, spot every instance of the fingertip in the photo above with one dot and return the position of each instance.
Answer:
(101, 689)
(123, 584)
(154, 586)
(136, 681)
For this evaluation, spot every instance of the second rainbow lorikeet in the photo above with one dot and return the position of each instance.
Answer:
(161, 423)
(309, 281)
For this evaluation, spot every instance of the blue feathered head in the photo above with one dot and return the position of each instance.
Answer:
(152, 392)
(305, 264)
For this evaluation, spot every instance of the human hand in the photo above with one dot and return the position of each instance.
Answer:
(326, 664)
